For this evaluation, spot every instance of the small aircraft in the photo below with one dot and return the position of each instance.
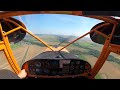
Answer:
(58, 62)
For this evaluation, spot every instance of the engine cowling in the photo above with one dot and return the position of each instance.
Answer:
(97, 38)
(15, 36)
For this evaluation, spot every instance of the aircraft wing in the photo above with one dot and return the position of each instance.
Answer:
(4, 14)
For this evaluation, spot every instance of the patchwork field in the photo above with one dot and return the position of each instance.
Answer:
(85, 49)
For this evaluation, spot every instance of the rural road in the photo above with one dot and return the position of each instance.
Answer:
(20, 54)
(108, 71)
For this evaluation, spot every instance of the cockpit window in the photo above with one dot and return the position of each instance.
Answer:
(58, 31)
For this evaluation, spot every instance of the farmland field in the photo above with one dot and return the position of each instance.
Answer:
(85, 49)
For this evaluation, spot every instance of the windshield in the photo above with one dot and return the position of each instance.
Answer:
(58, 31)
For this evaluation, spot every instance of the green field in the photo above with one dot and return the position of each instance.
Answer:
(98, 76)
(81, 48)
(15, 46)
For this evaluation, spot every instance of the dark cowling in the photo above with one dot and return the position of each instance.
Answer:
(97, 38)
(17, 35)
(102, 13)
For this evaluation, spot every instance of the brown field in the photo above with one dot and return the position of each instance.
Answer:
(19, 55)
(110, 70)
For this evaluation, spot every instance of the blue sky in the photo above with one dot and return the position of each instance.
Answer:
(58, 24)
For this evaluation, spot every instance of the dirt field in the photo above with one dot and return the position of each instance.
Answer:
(109, 70)
(20, 54)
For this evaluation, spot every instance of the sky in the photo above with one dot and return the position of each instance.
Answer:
(58, 24)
